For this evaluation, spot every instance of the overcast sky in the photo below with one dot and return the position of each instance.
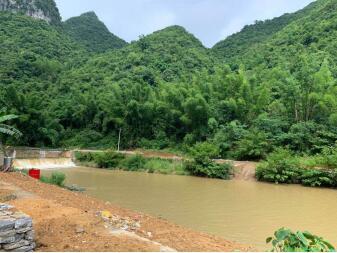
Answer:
(210, 20)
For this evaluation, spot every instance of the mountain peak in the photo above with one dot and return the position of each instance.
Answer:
(39, 9)
(92, 33)
(176, 33)
(90, 14)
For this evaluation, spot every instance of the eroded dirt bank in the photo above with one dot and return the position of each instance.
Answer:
(67, 221)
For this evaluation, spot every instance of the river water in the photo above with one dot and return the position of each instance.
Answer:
(241, 211)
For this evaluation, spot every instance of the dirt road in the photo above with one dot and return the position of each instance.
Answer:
(67, 221)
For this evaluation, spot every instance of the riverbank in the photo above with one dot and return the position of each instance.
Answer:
(67, 221)
(161, 163)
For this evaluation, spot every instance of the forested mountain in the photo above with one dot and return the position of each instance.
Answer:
(300, 60)
(272, 85)
(120, 89)
(90, 32)
(171, 54)
(32, 56)
(250, 35)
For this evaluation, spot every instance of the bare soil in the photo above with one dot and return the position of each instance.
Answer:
(68, 221)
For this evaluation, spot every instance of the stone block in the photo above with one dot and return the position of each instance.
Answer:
(6, 224)
(16, 231)
(28, 248)
(4, 207)
(8, 233)
(23, 222)
(23, 230)
(7, 239)
(30, 235)
(16, 245)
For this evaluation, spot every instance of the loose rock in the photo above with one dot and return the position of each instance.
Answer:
(16, 230)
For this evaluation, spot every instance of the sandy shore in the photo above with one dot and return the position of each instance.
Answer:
(68, 221)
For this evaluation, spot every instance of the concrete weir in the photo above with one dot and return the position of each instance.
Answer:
(28, 158)
(44, 163)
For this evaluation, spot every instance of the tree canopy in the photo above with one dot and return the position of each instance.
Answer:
(271, 85)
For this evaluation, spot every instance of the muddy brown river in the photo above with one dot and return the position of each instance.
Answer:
(242, 211)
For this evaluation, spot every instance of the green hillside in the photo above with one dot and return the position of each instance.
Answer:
(312, 35)
(131, 84)
(32, 56)
(167, 90)
(168, 55)
(250, 35)
(90, 32)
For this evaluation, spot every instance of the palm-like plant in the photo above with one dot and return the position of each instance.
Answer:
(7, 129)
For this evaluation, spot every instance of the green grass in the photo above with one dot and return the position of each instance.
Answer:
(162, 166)
(110, 160)
(57, 178)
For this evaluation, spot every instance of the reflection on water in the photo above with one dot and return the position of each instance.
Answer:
(246, 212)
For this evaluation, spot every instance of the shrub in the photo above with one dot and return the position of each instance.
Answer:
(133, 163)
(210, 169)
(319, 178)
(308, 137)
(285, 240)
(328, 158)
(57, 178)
(108, 159)
(160, 142)
(254, 146)
(203, 165)
(163, 166)
(159, 166)
(280, 167)
(227, 136)
(83, 156)
(204, 151)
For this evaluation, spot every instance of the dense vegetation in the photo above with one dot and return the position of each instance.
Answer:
(112, 160)
(203, 164)
(30, 72)
(239, 43)
(200, 164)
(283, 166)
(167, 90)
(285, 240)
(90, 32)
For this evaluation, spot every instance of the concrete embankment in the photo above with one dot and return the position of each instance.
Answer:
(67, 221)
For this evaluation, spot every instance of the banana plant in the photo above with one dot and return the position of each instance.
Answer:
(7, 129)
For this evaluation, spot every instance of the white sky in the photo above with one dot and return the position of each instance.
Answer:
(209, 20)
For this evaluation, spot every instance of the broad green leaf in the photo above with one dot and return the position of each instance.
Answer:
(302, 238)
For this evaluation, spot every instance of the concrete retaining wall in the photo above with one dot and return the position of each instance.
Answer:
(16, 231)
(36, 153)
